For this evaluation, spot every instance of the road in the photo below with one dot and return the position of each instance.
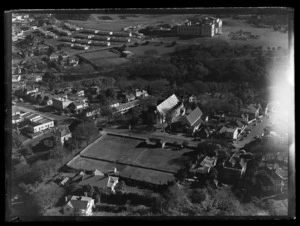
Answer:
(255, 131)
(31, 108)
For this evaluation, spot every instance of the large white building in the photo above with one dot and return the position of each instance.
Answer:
(207, 27)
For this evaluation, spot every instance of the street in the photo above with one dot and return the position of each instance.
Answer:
(255, 131)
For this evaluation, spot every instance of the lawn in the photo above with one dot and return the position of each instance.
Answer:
(132, 151)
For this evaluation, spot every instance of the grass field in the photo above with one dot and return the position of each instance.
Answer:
(130, 151)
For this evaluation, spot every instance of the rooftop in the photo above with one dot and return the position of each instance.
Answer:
(194, 116)
(168, 104)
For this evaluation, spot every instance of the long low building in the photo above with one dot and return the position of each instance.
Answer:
(40, 124)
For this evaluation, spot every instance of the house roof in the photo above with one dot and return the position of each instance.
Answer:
(223, 129)
(208, 161)
(168, 104)
(194, 116)
(79, 202)
(231, 130)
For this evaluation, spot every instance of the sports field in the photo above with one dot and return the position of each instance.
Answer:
(134, 152)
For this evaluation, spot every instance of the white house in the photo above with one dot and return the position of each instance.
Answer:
(79, 205)
(16, 78)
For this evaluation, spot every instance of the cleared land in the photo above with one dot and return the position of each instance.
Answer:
(132, 151)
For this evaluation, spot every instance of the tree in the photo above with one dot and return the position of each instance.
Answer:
(213, 173)
(16, 141)
(111, 93)
(107, 111)
(49, 195)
(85, 130)
(169, 119)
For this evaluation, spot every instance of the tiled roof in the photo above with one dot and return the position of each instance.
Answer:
(168, 104)
(194, 116)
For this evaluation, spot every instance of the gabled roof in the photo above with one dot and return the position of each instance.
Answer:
(194, 116)
(167, 104)
(223, 129)
(208, 161)
(79, 202)
(231, 130)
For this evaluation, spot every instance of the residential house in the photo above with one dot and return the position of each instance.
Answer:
(193, 120)
(141, 93)
(252, 110)
(171, 104)
(235, 167)
(192, 99)
(61, 134)
(274, 175)
(91, 111)
(130, 97)
(206, 164)
(232, 133)
(31, 90)
(263, 108)
(61, 102)
(78, 105)
(234, 116)
(53, 56)
(100, 182)
(16, 78)
(127, 54)
(16, 119)
(79, 205)
(126, 106)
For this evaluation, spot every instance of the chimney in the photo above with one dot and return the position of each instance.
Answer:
(66, 198)
(115, 170)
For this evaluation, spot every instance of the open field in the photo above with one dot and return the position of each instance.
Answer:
(103, 58)
(116, 24)
(132, 151)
